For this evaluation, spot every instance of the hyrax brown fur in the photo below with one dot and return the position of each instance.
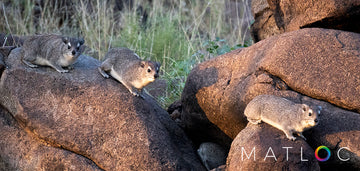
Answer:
(51, 50)
(125, 66)
(283, 114)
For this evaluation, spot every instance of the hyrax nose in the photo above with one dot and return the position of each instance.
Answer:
(316, 120)
(73, 52)
(156, 75)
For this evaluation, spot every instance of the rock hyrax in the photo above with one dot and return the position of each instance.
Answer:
(125, 66)
(212, 155)
(51, 50)
(283, 114)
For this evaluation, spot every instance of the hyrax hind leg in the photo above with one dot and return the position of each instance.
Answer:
(58, 68)
(27, 59)
(104, 68)
(29, 64)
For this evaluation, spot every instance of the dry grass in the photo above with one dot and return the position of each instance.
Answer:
(179, 34)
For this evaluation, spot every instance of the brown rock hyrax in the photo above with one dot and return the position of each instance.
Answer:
(212, 155)
(125, 66)
(283, 114)
(51, 50)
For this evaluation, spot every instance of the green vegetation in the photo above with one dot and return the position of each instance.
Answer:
(177, 33)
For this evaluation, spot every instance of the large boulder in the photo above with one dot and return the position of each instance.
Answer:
(85, 114)
(321, 64)
(274, 17)
(20, 150)
(263, 147)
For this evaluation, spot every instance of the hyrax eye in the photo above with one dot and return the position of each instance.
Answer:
(148, 70)
(69, 47)
(309, 114)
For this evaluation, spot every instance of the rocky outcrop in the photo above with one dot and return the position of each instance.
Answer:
(301, 66)
(325, 60)
(274, 17)
(95, 121)
(263, 147)
(20, 150)
(338, 130)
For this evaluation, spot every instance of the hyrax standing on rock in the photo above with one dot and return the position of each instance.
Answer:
(51, 50)
(283, 114)
(125, 66)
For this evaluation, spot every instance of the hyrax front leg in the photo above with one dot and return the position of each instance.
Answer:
(58, 68)
(301, 135)
(135, 91)
(289, 135)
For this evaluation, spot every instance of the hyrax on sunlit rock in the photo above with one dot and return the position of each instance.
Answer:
(283, 114)
(125, 66)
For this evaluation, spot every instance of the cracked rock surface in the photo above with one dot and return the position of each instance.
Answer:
(314, 66)
(94, 121)
(273, 17)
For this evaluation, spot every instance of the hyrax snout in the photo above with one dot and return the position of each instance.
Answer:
(125, 66)
(51, 50)
(283, 114)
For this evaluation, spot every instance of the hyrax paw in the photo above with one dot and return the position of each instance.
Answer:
(105, 75)
(292, 138)
(135, 94)
(29, 64)
(63, 71)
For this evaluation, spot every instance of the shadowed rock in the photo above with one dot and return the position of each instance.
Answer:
(317, 63)
(21, 150)
(263, 147)
(274, 17)
(338, 130)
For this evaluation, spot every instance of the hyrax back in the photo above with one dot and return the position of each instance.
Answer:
(51, 50)
(283, 114)
(125, 66)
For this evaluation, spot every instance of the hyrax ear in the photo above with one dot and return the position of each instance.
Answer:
(142, 64)
(81, 41)
(304, 107)
(65, 40)
(158, 64)
(319, 109)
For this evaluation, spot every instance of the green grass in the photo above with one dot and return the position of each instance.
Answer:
(178, 34)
